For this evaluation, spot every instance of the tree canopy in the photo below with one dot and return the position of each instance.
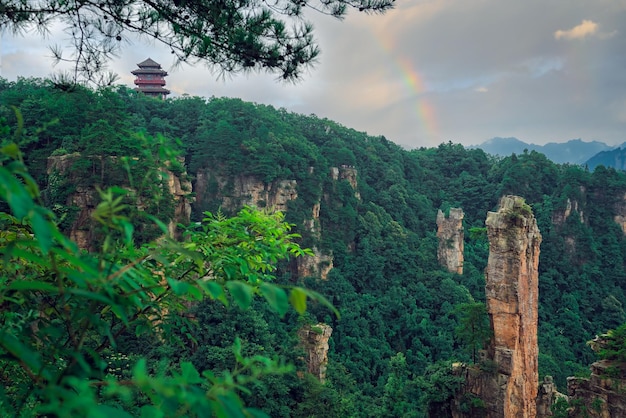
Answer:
(227, 35)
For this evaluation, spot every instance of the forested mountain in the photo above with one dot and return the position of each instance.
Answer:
(574, 151)
(370, 207)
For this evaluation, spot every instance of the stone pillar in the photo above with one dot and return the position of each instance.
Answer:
(512, 299)
(314, 339)
(450, 234)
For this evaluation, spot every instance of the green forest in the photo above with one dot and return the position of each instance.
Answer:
(188, 347)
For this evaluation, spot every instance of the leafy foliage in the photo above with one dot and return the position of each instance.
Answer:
(64, 310)
(230, 35)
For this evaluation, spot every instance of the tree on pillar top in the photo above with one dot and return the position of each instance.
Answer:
(151, 79)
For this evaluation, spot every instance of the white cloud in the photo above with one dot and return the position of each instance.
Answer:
(481, 89)
(586, 28)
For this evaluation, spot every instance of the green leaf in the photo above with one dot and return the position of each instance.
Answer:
(140, 373)
(43, 230)
(297, 297)
(276, 297)
(318, 297)
(241, 292)
(11, 150)
(128, 232)
(17, 252)
(162, 226)
(34, 285)
(215, 290)
(106, 411)
(15, 193)
(150, 411)
(91, 295)
(20, 351)
(179, 288)
(230, 406)
(189, 373)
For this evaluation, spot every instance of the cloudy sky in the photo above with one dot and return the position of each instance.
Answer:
(431, 71)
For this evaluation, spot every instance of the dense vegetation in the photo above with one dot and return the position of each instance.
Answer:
(402, 315)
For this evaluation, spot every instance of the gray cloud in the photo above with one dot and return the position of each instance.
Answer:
(432, 71)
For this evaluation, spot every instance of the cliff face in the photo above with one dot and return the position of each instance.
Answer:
(560, 216)
(450, 234)
(600, 396)
(317, 265)
(509, 388)
(314, 339)
(349, 173)
(603, 394)
(179, 187)
(84, 199)
(620, 214)
(235, 192)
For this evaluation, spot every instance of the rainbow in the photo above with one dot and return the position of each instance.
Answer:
(425, 111)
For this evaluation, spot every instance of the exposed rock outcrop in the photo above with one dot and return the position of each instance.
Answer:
(317, 265)
(450, 234)
(603, 394)
(547, 396)
(349, 173)
(560, 216)
(314, 339)
(235, 192)
(179, 187)
(600, 396)
(84, 199)
(620, 214)
(509, 387)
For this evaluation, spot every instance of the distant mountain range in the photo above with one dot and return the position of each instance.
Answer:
(575, 151)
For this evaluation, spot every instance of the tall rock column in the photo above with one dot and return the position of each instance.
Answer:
(450, 234)
(512, 298)
(314, 339)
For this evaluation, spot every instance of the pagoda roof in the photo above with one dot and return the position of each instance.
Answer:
(149, 71)
(149, 63)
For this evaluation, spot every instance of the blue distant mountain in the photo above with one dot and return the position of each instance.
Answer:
(615, 158)
(574, 151)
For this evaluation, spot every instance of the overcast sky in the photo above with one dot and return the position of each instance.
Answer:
(431, 71)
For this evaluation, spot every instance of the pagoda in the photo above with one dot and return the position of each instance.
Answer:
(151, 79)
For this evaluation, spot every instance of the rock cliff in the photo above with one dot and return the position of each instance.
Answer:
(507, 388)
(179, 187)
(84, 199)
(349, 173)
(560, 216)
(314, 339)
(317, 265)
(231, 193)
(235, 192)
(620, 214)
(450, 235)
(603, 394)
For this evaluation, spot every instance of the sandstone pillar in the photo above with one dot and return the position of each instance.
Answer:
(314, 339)
(450, 234)
(512, 298)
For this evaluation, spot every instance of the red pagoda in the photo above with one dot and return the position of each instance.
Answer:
(151, 79)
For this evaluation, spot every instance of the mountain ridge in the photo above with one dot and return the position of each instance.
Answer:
(574, 151)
